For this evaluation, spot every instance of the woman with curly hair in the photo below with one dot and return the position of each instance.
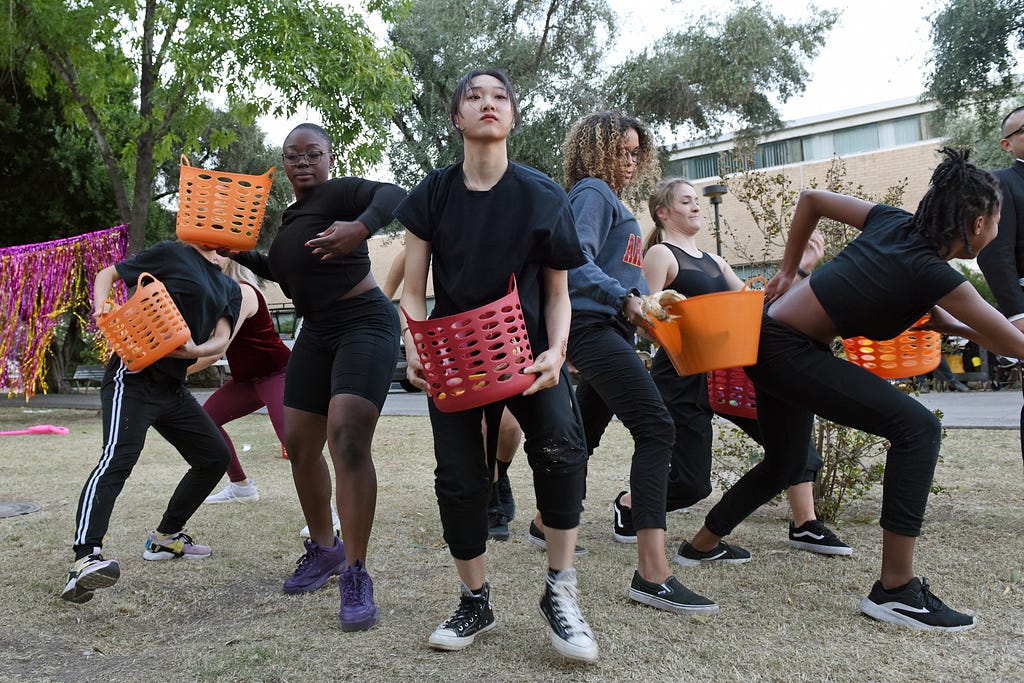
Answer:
(606, 153)
(894, 272)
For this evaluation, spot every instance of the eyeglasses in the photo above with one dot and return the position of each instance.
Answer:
(633, 154)
(312, 158)
(1014, 132)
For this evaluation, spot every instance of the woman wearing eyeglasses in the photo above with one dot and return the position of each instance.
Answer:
(340, 368)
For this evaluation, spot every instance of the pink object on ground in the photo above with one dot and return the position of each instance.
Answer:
(37, 429)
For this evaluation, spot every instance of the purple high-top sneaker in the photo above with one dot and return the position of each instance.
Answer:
(316, 566)
(358, 613)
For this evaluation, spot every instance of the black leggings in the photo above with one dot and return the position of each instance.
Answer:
(797, 378)
(614, 381)
(686, 397)
(554, 448)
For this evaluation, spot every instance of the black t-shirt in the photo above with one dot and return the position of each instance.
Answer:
(885, 279)
(478, 239)
(202, 293)
(696, 276)
(311, 282)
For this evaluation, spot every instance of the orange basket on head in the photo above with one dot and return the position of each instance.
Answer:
(220, 209)
(731, 392)
(477, 357)
(712, 331)
(912, 353)
(147, 327)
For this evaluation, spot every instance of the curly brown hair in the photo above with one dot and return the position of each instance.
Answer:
(596, 148)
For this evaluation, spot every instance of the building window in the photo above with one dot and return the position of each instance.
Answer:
(772, 154)
(854, 140)
(704, 166)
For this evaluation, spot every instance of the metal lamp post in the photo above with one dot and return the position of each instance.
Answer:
(715, 192)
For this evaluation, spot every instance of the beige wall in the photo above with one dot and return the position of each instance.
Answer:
(874, 171)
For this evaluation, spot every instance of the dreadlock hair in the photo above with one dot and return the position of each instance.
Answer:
(317, 130)
(959, 193)
(596, 146)
(660, 197)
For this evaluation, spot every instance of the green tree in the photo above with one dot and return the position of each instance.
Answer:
(52, 183)
(717, 71)
(141, 75)
(971, 127)
(555, 51)
(973, 44)
(552, 50)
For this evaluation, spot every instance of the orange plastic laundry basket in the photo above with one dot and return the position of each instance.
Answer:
(731, 392)
(147, 327)
(712, 331)
(912, 353)
(477, 357)
(220, 209)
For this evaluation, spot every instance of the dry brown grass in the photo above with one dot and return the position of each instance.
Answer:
(786, 615)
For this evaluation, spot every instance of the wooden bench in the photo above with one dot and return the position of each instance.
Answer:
(86, 376)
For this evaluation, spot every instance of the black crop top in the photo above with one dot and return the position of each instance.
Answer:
(310, 282)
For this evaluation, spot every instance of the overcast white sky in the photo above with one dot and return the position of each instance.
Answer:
(876, 53)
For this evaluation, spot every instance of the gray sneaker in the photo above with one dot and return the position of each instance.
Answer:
(88, 574)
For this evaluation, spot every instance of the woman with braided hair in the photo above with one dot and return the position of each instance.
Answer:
(894, 272)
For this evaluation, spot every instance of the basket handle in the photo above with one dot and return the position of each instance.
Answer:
(757, 278)
(184, 161)
(142, 276)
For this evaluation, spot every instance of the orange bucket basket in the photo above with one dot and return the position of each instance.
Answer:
(912, 353)
(712, 331)
(147, 327)
(477, 357)
(731, 392)
(220, 209)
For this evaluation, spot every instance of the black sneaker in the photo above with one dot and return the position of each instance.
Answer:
(497, 520)
(536, 537)
(570, 633)
(914, 605)
(622, 524)
(723, 552)
(505, 498)
(815, 537)
(473, 617)
(671, 596)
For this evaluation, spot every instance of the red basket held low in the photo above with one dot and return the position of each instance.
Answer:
(221, 209)
(731, 392)
(912, 353)
(477, 357)
(147, 327)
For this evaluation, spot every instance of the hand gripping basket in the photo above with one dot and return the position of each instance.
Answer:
(147, 327)
(712, 331)
(912, 353)
(477, 357)
(731, 392)
(220, 209)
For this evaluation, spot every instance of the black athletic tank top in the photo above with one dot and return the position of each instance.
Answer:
(696, 276)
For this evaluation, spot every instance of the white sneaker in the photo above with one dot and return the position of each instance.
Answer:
(337, 524)
(236, 493)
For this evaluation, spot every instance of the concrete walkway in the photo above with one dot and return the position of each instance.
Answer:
(973, 409)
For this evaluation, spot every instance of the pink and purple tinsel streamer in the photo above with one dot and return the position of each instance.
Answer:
(39, 283)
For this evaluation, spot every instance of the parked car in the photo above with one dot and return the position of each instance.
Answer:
(398, 375)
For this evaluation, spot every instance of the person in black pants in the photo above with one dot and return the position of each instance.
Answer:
(882, 282)
(1002, 262)
(475, 223)
(156, 396)
(673, 261)
(604, 152)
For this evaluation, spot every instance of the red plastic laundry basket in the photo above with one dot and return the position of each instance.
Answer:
(731, 392)
(912, 353)
(477, 357)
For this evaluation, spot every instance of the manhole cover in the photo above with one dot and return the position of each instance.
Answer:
(15, 509)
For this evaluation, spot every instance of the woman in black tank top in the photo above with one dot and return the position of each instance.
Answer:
(672, 260)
